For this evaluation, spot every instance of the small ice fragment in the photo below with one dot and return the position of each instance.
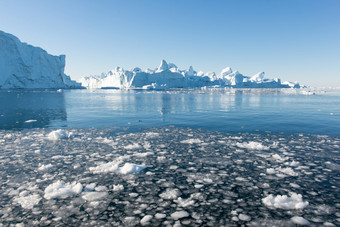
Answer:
(94, 196)
(29, 201)
(118, 187)
(192, 141)
(30, 121)
(300, 220)
(61, 190)
(170, 194)
(244, 217)
(57, 135)
(252, 146)
(160, 216)
(45, 167)
(285, 202)
(271, 171)
(129, 168)
(146, 219)
(132, 146)
(179, 214)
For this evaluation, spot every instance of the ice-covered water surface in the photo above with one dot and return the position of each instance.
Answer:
(168, 176)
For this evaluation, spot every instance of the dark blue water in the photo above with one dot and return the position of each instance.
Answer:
(221, 110)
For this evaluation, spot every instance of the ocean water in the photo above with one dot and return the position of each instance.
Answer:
(252, 157)
(227, 110)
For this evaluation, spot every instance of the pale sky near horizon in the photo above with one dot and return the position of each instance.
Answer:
(289, 39)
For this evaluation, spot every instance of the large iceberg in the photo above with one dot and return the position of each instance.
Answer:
(168, 75)
(26, 66)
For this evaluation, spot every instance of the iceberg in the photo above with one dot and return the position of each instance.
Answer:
(168, 75)
(23, 66)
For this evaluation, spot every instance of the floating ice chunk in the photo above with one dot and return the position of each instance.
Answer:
(58, 134)
(30, 121)
(192, 141)
(94, 196)
(170, 193)
(146, 220)
(271, 171)
(101, 188)
(106, 167)
(179, 214)
(184, 202)
(300, 220)
(328, 224)
(288, 171)
(131, 168)
(118, 187)
(252, 146)
(132, 146)
(285, 202)
(29, 201)
(90, 187)
(244, 217)
(61, 190)
(45, 167)
(160, 216)
(279, 158)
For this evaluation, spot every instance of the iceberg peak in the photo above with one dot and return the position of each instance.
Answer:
(163, 66)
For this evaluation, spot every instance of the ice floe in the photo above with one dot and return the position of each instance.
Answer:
(294, 201)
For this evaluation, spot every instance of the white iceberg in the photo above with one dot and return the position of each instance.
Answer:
(167, 75)
(29, 67)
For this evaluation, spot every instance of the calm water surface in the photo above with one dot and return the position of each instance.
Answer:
(231, 110)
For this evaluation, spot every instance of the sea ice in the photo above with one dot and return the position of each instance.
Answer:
(252, 146)
(129, 168)
(179, 214)
(29, 201)
(300, 220)
(93, 196)
(285, 202)
(58, 134)
(61, 189)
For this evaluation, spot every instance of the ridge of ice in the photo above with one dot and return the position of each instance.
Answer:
(170, 76)
(26, 66)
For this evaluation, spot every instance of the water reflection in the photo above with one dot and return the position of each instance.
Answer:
(28, 109)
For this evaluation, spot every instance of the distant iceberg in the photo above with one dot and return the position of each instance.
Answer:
(168, 75)
(27, 67)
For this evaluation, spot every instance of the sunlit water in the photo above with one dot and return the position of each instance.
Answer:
(208, 158)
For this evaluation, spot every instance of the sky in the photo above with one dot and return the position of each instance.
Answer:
(295, 40)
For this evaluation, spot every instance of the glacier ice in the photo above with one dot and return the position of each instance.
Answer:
(168, 75)
(27, 67)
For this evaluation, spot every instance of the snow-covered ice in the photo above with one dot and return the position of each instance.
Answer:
(61, 189)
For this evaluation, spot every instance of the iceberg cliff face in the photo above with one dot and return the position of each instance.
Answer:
(28, 67)
(167, 75)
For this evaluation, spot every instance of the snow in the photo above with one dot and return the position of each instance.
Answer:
(285, 202)
(29, 67)
(61, 189)
(300, 220)
(167, 75)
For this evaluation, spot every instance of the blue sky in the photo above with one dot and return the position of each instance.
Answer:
(296, 40)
